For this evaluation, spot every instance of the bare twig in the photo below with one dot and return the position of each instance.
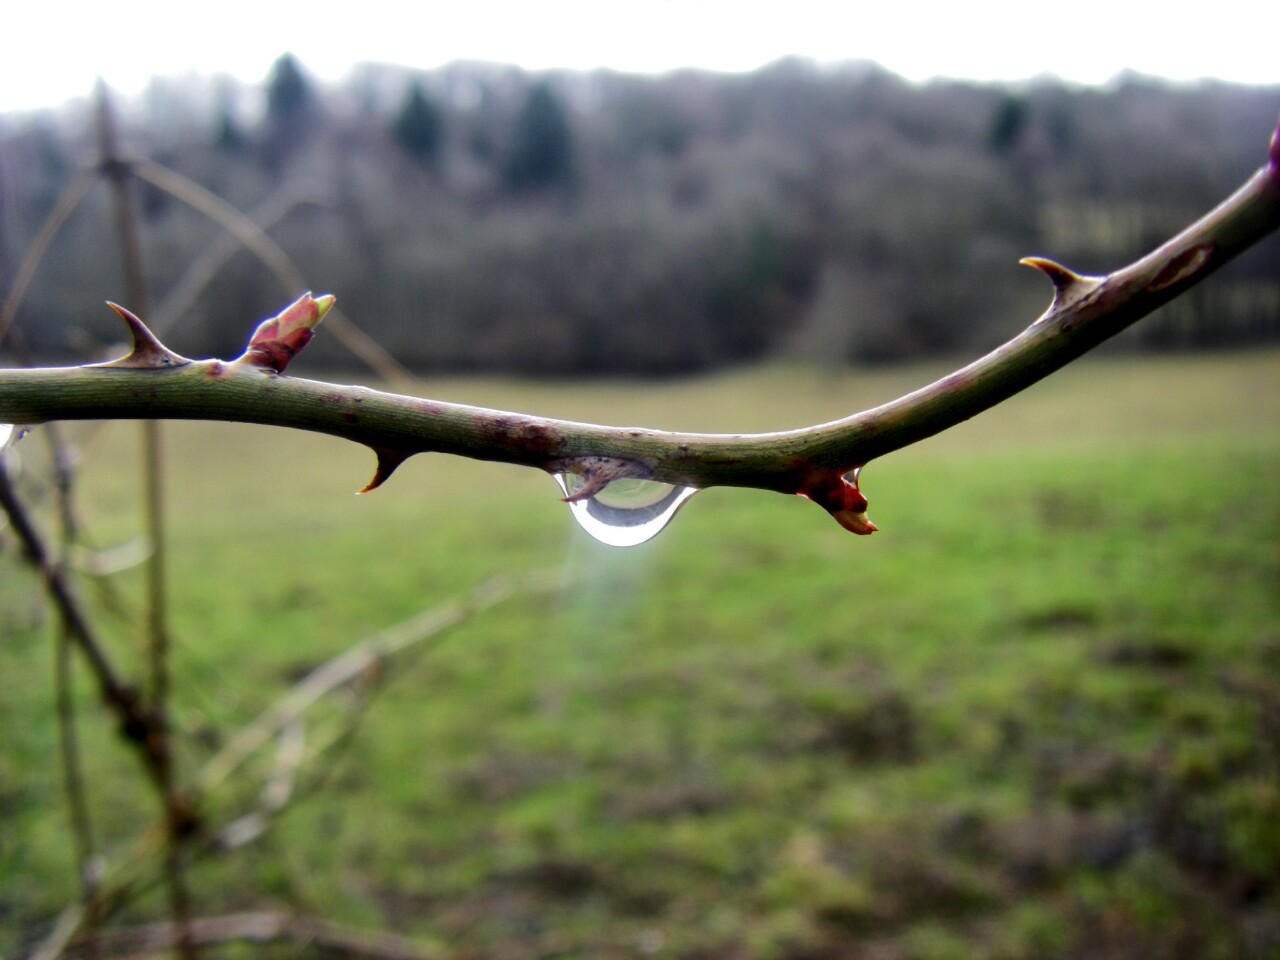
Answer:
(260, 928)
(348, 665)
(255, 239)
(55, 945)
(83, 846)
(66, 205)
(201, 272)
(136, 722)
(119, 697)
(283, 720)
(177, 812)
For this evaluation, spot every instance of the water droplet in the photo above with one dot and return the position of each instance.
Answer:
(627, 511)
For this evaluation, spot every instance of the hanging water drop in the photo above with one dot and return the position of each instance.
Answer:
(627, 511)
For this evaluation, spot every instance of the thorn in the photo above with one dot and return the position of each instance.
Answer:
(595, 473)
(1067, 284)
(147, 352)
(591, 485)
(388, 461)
(279, 339)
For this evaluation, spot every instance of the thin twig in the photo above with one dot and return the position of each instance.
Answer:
(204, 269)
(119, 697)
(177, 813)
(67, 203)
(55, 945)
(136, 723)
(345, 667)
(83, 845)
(131, 871)
(260, 928)
(255, 239)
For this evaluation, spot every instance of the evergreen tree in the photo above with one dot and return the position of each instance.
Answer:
(1008, 124)
(419, 127)
(288, 93)
(290, 109)
(227, 135)
(542, 148)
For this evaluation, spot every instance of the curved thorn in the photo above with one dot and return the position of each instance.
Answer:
(1067, 284)
(147, 352)
(595, 473)
(388, 461)
(591, 485)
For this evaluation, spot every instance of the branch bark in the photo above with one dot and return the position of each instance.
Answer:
(818, 462)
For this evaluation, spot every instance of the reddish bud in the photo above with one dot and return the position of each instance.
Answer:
(839, 495)
(278, 340)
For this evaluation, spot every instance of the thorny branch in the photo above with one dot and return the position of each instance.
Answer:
(820, 462)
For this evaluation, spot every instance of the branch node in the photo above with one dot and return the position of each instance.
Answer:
(148, 353)
(281, 338)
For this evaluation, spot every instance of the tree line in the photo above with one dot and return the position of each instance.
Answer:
(478, 217)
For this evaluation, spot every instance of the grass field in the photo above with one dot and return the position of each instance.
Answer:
(1037, 717)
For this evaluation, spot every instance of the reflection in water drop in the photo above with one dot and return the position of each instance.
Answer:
(627, 511)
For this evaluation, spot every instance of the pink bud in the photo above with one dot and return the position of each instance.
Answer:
(278, 340)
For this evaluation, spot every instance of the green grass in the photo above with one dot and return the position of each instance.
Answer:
(1036, 717)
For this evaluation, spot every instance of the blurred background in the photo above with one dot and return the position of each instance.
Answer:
(1036, 718)
(484, 218)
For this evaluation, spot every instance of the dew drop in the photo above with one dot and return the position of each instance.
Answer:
(628, 511)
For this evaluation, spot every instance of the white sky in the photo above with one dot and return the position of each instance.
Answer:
(53, 50)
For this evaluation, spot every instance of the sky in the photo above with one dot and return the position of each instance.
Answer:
(54, 51)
